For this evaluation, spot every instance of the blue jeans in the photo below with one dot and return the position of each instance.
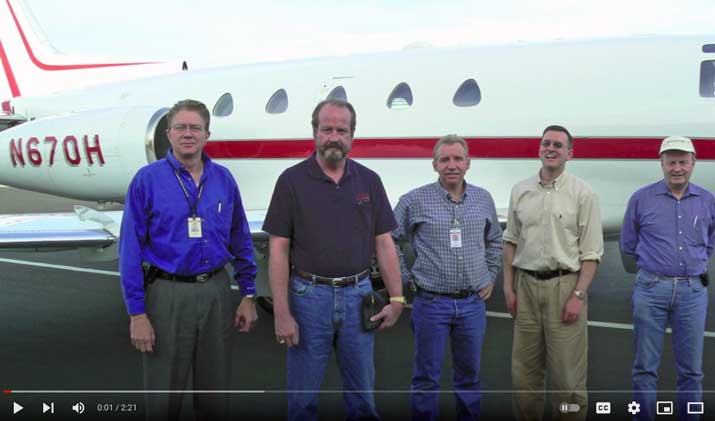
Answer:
(329, 317)
(658, 301)
(434, 319)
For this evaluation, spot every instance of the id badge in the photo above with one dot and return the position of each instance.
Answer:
(455, 237)
(194, 227)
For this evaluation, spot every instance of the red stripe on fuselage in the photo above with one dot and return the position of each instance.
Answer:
(14, 89)
(494, 147)
(54, 67)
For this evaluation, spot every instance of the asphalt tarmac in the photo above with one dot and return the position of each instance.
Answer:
(65, 340)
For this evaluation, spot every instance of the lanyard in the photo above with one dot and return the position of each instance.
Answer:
(195, 204)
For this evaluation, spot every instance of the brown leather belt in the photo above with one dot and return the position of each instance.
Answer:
(202, 277)
(339, 282)
(547, 274)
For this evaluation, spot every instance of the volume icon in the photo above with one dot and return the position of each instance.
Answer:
(78, 407)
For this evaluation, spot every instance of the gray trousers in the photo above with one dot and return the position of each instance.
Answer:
(193, 324)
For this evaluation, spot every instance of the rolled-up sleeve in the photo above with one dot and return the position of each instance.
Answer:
(493, 242)
(629, 230)
(590, 237)
(513, 226)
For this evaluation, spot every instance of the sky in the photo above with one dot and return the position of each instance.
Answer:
(215, 32)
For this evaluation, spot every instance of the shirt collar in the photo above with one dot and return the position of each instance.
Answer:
(662, 188)
(315, 171)
(445, 194)
(177, 165)
(557, 183)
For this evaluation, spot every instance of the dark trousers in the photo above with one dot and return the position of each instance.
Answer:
(193, 324)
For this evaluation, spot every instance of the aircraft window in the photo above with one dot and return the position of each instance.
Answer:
(468, 94)
(278, 102)
(338, 93)
(400, 98)
(709, 48)
(224, 106)
(707, 79)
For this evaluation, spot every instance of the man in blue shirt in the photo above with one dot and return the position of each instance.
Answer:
(455, 234)
(669, 228)
(327, 217)
(183, 222)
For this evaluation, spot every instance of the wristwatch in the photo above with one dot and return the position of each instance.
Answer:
(251, 297)
(579, 294)
(399, 299)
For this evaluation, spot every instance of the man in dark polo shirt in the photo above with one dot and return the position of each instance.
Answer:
(327, 217)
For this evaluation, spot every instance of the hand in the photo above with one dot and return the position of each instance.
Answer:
(287, 330)
(510, 298)
(389, 315)
(572, 309)
(142, 333)
(486, 292)
(246, 316)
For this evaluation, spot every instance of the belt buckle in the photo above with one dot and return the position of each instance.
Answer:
(336, 282)
(202, 278)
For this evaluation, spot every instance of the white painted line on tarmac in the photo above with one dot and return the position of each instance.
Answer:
(71, 268)
(608, 325)
(63, 267)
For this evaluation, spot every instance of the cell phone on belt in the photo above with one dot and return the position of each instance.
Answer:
(705, 279)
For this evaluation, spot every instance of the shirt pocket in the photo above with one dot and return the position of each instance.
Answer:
(699, 229)
(363, 216)
(567, 217)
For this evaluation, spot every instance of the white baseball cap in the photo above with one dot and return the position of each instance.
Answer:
(677, 143)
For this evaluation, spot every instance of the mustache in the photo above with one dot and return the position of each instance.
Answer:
(336, 145)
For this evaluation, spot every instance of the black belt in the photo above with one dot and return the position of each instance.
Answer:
(462, 293)
(547, 274)
(339, 282)
(201, 277)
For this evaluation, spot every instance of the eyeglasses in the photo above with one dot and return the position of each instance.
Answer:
(547, 143)
(195, 128)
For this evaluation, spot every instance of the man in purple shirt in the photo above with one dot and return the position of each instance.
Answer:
(669, 228)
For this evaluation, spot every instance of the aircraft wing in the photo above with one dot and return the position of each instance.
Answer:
(85, 228)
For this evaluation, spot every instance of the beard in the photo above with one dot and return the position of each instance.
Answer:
(333, 152)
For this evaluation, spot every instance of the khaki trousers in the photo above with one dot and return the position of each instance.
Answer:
(545, 346)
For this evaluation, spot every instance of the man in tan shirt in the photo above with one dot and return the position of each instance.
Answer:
(552, 246)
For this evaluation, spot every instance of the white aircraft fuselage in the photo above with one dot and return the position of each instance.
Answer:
(619, 98)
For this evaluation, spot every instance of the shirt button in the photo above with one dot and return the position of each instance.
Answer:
(680, 248)
(206, 261)
(680, 216)
(680, 232)
(681, 264)
(460, 257)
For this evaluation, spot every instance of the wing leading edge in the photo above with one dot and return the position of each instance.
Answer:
(85, 228)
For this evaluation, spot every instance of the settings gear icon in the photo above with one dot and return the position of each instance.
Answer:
(634, 407)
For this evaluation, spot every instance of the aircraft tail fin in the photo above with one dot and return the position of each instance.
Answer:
(32, 66)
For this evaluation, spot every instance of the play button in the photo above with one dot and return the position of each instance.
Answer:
(16, 407)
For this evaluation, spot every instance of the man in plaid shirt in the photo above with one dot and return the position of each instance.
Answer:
(455, 235)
